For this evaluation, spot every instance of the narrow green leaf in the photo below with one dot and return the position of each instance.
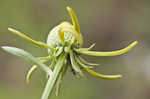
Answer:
(28, 57)
(81, 64)
(75, 66)
(85, 62)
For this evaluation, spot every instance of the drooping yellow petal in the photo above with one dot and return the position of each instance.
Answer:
(61, 35)
(38, 43)
(74, 19)
(111, 53)
(75, 25)
(101, 75)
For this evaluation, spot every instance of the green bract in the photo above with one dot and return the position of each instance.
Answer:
(64, 44)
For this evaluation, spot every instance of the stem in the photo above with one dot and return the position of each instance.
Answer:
(52, 79)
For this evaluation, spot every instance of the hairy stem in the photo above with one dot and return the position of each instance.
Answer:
(52, 79)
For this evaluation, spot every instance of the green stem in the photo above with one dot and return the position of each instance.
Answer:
(52, 79)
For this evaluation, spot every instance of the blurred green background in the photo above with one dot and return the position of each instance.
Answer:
(111, 24)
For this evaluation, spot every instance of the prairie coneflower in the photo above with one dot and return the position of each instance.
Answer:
(64, 44)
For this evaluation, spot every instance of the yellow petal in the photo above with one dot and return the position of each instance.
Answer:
(76, 25)
(61, 36)
(111, 53)
(101, 75)
(38, 43)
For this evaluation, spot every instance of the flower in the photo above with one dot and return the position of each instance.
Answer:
(64, 44)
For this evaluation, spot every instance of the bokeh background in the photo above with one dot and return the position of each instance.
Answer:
(111, 24)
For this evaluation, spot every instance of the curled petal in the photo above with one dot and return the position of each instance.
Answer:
(34, 67)
(87, 68)
(30, 72)
(101, 75)
(111, 53)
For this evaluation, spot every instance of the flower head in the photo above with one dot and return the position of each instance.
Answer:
(64, 44)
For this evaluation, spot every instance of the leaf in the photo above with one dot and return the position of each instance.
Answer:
(60, 50)
(75, 65)
(85, 62)
(82, 64)
(25, 55)
(111, 53)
